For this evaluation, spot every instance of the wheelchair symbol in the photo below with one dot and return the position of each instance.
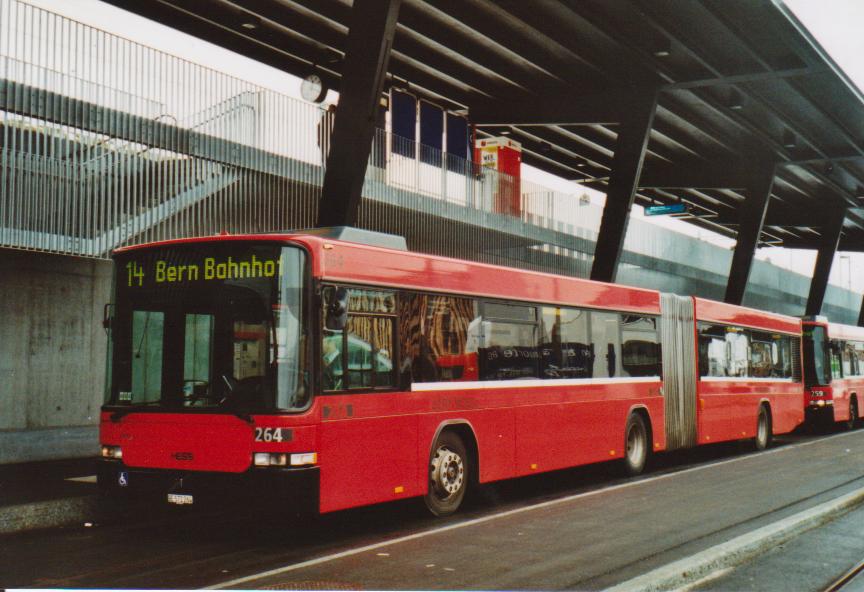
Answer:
(123, 479)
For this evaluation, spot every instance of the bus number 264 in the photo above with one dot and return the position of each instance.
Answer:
(268, 435)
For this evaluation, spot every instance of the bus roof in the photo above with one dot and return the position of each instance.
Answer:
(720, 312)
(845, 332)
(343, 261)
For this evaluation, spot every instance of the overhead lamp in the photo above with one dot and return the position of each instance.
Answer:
(250, 22)
(829, 168)
(545, 147)
(789, 139)
(581, 164)
(506, 132)
(662, 47)
(734, 101)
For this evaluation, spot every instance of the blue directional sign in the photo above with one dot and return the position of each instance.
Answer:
(678, 208)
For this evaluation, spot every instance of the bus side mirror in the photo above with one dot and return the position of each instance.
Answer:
(336, 312)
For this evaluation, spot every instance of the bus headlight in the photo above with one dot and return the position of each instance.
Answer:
(281, 459)
(112, 452)
(304, 458)
(270, 459)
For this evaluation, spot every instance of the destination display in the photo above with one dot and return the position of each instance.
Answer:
(182, 268)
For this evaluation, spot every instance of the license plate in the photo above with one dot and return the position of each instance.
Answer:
(181, 499)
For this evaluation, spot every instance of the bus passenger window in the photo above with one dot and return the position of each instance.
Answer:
(565, 344)
(858, 348)
(439, 338)
(714, 350)
(361, 355)
(836, 365)
(606, 344)
(760, 359)
(370, 343)
(640, 350)
(331, 358)
(848, 369)
(510, 351)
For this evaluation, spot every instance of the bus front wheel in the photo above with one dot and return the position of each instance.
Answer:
(448, 474)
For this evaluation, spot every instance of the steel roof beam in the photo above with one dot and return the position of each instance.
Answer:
(370, 39)
(623, 182)
(610, 106)
(744, 78)
(752, 218)
(286, 54)
(718, 175)
(824, 258)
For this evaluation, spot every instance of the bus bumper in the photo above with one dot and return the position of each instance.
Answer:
(817, 413)
(288, 489)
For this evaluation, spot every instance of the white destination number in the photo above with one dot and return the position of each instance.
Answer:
(268, 435)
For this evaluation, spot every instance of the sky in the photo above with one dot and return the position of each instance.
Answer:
(836, 25)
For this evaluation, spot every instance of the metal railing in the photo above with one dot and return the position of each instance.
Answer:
(105, 142)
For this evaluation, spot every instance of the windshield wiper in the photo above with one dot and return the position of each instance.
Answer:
(244, 416)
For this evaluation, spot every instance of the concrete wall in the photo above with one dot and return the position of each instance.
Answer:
(52, 353)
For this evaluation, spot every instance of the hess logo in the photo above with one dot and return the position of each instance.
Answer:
(185, 456)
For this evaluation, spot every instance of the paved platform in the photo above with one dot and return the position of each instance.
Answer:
(598, 539)
(594, 533)
(46, 494)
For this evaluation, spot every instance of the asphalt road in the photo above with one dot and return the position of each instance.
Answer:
(578, 529)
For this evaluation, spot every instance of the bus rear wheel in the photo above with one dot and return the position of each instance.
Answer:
(763, 429)
(448, 474)
(852, 422)
(635, 445)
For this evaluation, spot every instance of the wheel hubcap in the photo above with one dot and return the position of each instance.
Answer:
(762, 431)
(447, 472)
(634, 446)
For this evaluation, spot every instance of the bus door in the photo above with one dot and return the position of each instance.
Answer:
(679, 370)
(368, 441)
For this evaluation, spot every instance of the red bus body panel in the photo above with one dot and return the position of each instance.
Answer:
(728, 408)
(375, 447)
(841, 390)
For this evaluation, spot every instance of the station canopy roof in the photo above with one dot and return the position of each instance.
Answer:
(741, 86)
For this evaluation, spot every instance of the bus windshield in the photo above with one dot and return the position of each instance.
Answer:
(209, 326)
(816, 366)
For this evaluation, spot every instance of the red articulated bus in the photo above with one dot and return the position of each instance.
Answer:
(349, 373)
(833, 371)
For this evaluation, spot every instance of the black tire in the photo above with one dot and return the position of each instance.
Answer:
(636, 445)
(449, 474)
(763, 429)
(852, 422)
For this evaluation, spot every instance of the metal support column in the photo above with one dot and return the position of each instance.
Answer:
(751, 218)
(623, 181)
(824, 258)
(370, 39)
